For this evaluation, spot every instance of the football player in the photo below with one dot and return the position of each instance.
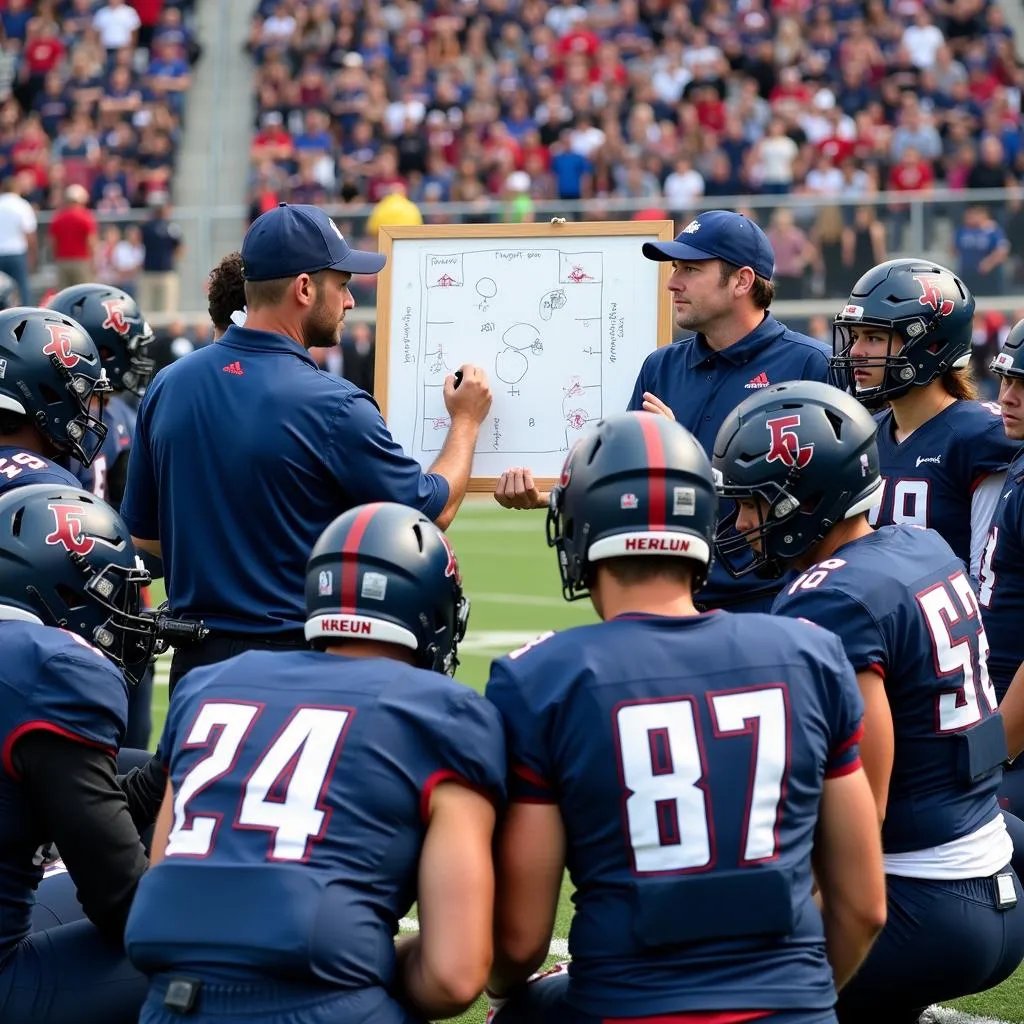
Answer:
(50, 374)
(688, 769)
(72, 638)
(904, 337)
(314, 795)
(802, 463)
(121, 334)
(1001, 578)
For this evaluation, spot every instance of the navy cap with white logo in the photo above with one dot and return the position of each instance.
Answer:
(719, 235)
(293, 239)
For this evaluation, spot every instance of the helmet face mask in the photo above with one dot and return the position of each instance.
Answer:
(760, 549)
(112, 318)
(883, 376)
(85, 431)
(924, 312)
(805, 454)
(53, 376)
(68, 561)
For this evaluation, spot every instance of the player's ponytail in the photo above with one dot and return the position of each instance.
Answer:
(960, 384)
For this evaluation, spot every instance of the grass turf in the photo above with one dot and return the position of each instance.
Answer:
(512, 581)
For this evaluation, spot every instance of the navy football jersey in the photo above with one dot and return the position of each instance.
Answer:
(902, 604)
(689, 781)
(1001, 582)
(52, 680)
(19, 467)
(120, 420)
(302, 781)
(931, 476)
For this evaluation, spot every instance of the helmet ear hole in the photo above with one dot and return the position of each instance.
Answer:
(836, 423)
(70, 597)
(418, 531)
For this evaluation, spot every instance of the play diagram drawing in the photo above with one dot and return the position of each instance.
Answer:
(533, 319)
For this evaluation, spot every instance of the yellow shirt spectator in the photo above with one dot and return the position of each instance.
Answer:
(396, 209)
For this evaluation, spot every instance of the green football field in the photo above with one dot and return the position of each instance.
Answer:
(511, 577)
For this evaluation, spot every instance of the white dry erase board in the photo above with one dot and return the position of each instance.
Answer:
(560, 316)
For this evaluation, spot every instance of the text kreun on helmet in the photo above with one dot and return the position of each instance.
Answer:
(919, 303)
(385, 572)
(635, 484)
(112, 318)
(67, 560)
(49, 371)
(809, 451)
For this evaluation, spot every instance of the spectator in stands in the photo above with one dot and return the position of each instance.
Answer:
(394, 209)
(73, 237)
(18, 241)
(981, 248)
(110, 236)
(794, 255)
(168, 74)
(117, 24)
(161, 240)
(128, 257)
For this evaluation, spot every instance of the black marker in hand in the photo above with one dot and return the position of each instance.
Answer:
(458, 377)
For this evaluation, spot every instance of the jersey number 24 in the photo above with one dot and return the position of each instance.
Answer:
(283, 791)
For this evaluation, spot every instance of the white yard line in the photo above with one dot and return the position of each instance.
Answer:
(946, 1015)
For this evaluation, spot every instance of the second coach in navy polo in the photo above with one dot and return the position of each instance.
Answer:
(245, 450)
(722, 266)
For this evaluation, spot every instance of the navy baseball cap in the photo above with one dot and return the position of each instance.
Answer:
(719, 235)
(294, 239)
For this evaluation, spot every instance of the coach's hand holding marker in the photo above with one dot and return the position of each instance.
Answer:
(467, 394)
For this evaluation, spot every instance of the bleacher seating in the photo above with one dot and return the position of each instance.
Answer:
(92, 94)
(656, 102)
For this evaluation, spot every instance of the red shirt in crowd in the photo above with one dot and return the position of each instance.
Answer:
(71, 230)
(149, 11)
(43, 54)
(911, 177)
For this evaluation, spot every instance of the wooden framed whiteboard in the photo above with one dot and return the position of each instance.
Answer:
(560, 316)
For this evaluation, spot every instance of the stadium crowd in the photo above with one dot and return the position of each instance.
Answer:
(866, 865)
(655, 102)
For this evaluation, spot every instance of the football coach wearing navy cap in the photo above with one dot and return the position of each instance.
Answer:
(722, 265)
(245, 450)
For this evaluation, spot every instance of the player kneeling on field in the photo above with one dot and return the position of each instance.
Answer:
(314, 795)
(801, 462)
(688, 768)
(69, 594)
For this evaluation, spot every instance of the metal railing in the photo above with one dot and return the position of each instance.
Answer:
(915, 224)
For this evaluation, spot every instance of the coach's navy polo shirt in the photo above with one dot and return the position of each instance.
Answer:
(244, 451)
(702, 386)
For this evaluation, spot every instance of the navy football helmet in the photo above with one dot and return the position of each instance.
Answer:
(112, 318)
(917, 303)
(386, 572)
(636, 484)
(67, 560)
(1009, 361)
(808, 450)
(49, 371)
